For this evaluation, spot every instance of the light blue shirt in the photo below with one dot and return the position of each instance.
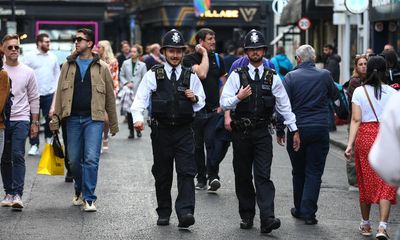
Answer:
(83, 65)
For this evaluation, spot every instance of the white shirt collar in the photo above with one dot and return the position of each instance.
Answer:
(168, 68)
(252, 69)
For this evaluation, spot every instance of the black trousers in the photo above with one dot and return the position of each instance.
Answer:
(252, 150)
(204, 127)
(130, 121)
(174, 143)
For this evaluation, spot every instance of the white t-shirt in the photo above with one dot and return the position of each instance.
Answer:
(360, 99)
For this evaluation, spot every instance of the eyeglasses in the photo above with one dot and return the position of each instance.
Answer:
(13, 47)
(79, 39)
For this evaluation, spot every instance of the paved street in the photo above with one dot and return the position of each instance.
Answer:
(126, 203)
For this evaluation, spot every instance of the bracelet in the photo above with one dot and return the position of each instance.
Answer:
(35, 123)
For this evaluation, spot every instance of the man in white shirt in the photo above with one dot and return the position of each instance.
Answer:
(252, 93)
(46, 68)
(176, 94)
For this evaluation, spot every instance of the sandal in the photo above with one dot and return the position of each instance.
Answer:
(365, 229)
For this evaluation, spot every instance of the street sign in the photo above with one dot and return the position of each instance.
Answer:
(356, 6)
(11, 27)
(304, 23)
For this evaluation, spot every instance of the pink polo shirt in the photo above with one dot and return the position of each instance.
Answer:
(25, 91)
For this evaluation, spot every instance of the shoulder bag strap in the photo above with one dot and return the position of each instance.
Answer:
(370, 103)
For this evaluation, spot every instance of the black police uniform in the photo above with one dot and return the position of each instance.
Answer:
(172, 134)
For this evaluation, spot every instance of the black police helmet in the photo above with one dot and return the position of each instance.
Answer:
(254, 39)
(173, 39)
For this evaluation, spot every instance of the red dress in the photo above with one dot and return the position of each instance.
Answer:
(372, 187)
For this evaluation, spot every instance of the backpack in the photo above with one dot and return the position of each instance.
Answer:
(341, 105)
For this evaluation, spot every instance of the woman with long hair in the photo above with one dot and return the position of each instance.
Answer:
(106, 54)
(368, 102)
(358, 76)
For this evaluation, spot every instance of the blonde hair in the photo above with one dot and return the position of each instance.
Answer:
(108, 54)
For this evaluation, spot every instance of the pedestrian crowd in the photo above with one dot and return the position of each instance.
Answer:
(198, 102)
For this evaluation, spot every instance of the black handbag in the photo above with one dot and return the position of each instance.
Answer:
(57, 147)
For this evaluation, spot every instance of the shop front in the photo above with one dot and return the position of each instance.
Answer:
(231, 20)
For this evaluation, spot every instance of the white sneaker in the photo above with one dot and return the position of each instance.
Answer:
(7, 201)
(17, 203)
(34, 150)
(89, 206)
(77, 200)
(49, 140)
(353, 189)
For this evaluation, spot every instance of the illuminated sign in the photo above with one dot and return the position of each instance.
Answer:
(378, 3)
(246, 13)
(18, 12)
(221, 14)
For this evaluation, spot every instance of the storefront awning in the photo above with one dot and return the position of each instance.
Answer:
(291, 12)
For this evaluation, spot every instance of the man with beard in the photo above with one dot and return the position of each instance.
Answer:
(176, 94)
(252, 93)
(47, 71)
(210, 68)
(85, 92)
(331, 62)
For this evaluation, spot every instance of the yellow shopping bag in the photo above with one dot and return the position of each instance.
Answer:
(50, 164)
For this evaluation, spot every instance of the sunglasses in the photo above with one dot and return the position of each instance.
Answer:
(13, 47)
(79, 39)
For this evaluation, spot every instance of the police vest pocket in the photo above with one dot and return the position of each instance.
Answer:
(269, 101)
(160, 106)
(185, 107)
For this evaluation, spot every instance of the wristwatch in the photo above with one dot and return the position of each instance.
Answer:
(35, 123)
(197, 99)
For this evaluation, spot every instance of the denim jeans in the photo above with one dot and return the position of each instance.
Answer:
(12, 161)
(307, 167)
(84, 145)
(45, 104)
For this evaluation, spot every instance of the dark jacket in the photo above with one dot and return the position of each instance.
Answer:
(310, 90)
(332, 65)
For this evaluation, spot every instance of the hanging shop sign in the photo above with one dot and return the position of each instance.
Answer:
(356, 6)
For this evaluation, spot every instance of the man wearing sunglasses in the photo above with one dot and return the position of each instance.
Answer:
(25, 105)
(85, 92)
(47, 71)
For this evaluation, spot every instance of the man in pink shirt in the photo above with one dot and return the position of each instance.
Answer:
(25, 104)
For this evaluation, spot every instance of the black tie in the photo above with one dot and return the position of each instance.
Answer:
(173, 75)
(257, 76)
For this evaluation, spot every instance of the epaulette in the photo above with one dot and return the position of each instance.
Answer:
(273, 71)
(157, 66)
(188, 69)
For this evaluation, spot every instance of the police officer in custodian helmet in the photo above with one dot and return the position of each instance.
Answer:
(176, 94)
(252, 93)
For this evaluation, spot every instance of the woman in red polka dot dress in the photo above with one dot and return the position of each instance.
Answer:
(368, 103)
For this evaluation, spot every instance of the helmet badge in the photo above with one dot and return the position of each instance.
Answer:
(176, 38)
(254, 37)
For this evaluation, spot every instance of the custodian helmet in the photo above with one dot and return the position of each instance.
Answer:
(173, 39)
(254, 39)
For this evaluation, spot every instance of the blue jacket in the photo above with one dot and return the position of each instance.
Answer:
(244, 61)
(310, 91)
(279, 61)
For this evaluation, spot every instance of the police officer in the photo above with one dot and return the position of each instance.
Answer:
(176, 94)
(252, 93)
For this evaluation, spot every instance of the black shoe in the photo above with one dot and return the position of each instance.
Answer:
(69, 177)
(200, 186)
(295, 213)
(138, 133)
(271, 224)
(131, 134)
(310, 221)
(246, 223)
(214, 185)
(163, 221)
(186, 220)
